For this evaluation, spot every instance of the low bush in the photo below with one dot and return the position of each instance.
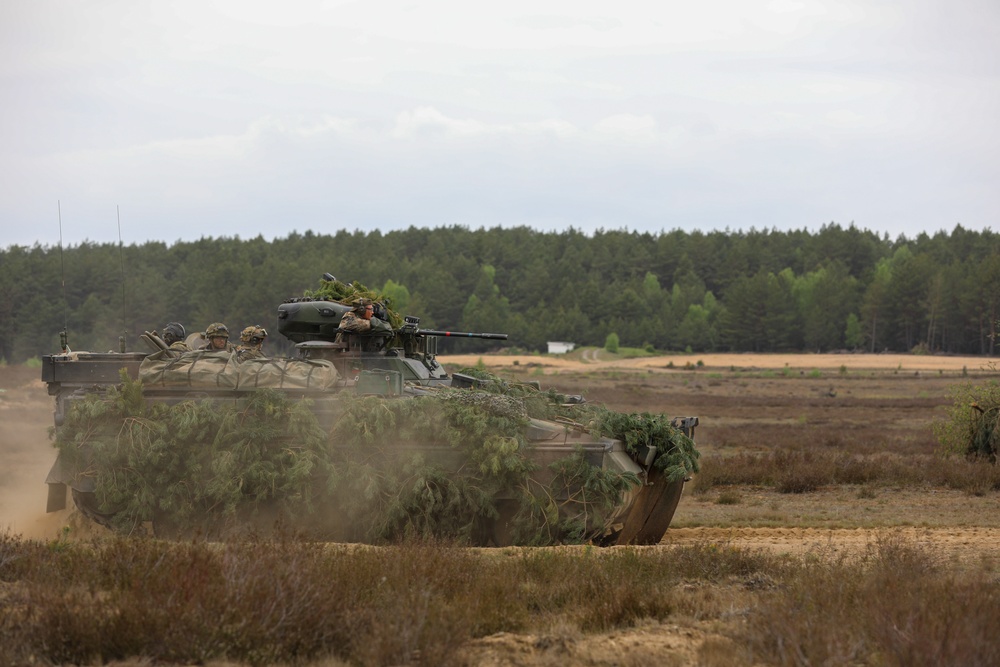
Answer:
(973, 424)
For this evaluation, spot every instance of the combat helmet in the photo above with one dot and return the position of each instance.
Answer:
(253, 334)
(361, 304)
(217, 329)
(173, 332)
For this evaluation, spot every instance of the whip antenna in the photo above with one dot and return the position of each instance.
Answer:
(64, 334)
(121, 256)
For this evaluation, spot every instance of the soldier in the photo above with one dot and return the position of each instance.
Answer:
(217, 334)
(359, 319)
(251, 342)
(174, 335)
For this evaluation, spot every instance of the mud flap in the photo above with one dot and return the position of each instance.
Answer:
(56, 480)
(653, 510)
(57, 497)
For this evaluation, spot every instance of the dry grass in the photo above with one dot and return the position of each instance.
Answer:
(893, 605)
(290, 601)
(803, 471)
(296, 602)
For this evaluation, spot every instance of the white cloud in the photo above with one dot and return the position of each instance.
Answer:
(428, 119)
(722, 113)
(846, 118)
(627, 126)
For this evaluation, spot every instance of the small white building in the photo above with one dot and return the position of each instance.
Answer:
(560, 347)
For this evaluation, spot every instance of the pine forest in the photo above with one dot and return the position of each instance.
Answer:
(760, 291)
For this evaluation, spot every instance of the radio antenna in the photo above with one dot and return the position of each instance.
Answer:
(121, 255)
(64, 334)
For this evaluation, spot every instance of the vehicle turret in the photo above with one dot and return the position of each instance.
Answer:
(314, 326)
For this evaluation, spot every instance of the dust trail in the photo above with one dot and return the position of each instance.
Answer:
(27, 455)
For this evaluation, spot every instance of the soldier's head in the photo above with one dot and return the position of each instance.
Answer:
(254, 335)
(363, 308)
(173, 332)
(217, 334)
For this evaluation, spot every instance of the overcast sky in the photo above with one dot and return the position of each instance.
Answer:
(243, 118)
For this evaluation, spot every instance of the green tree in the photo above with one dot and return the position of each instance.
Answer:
(695, 330)
(486, 310)
(907, 297)
(825, 298)
(760, 313)
(874, 306)
(854, 336)
(985, 302)
(399, 296)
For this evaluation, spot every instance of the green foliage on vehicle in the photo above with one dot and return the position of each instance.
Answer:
(434, 465)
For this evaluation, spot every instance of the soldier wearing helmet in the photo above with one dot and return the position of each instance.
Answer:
(251, 342)
(174, 335)
(217, 334)
(362, 319)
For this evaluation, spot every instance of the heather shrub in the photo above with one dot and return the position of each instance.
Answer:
(973, 419)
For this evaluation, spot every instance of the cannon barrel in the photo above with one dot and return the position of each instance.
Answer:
(460, 334)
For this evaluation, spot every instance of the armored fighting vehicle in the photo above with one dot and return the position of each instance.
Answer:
(363, 436)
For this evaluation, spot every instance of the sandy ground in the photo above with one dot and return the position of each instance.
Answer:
(965, 546)
(593, 359)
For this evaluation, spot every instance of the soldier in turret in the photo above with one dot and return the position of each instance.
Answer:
(174, 335)
(251, 342)
(362, 319)
(359, 319)
(217, 334)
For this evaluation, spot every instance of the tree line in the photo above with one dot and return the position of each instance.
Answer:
(757, 290)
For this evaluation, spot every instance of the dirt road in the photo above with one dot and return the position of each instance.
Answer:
(591, 359)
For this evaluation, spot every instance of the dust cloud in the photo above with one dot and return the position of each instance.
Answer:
(27, 454)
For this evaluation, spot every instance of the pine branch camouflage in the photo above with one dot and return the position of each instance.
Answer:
(442, 465)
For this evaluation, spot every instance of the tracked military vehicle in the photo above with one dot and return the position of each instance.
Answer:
(390, 444)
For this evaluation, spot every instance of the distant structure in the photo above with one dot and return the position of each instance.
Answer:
(560, 347)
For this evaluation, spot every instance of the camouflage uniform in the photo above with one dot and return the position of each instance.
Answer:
(354, 323)
(217, 330)
(360, 320)
(251, 342)
(173, 336)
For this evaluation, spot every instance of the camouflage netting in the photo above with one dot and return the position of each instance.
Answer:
(348, 293)
(677, 454)
(442, 465)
